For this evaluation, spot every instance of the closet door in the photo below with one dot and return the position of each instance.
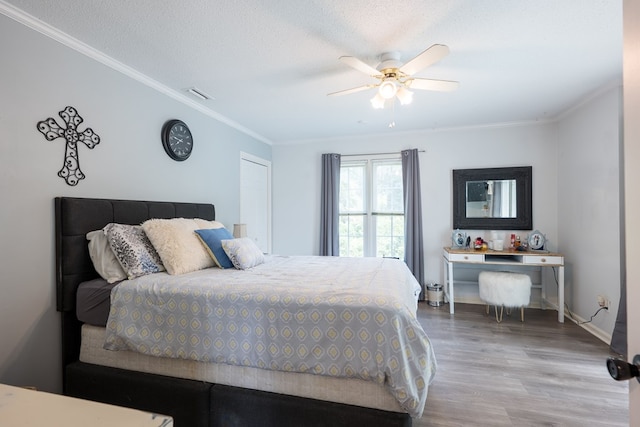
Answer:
(255, 199)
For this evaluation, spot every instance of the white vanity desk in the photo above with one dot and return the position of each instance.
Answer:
(511, 258)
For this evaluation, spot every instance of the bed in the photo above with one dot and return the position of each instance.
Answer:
(196, 392)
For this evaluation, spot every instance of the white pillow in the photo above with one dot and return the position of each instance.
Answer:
(103, 258)
(176, 242)
(243, 252)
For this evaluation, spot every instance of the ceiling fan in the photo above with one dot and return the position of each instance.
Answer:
(395, 78)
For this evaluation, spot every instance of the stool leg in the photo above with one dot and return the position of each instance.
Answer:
(487, 309)
(499, 319)
(522, 314)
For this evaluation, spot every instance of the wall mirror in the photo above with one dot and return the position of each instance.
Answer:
(492, 199)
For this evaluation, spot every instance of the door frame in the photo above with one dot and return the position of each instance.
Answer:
(631, 96)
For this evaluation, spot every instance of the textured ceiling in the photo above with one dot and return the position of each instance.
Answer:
(269, 64)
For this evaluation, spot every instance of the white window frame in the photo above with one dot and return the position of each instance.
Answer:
(369, 234)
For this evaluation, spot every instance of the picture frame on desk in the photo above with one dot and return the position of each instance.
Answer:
(458, 239)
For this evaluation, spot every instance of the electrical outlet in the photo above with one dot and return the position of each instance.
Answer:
(603, 301)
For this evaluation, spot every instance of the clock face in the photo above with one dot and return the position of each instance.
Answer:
(536, 240)
(177, 140)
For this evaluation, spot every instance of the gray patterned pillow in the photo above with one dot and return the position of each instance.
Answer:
(133, 250)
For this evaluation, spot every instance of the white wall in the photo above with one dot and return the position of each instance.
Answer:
(576, 201)
(297, 201)
(40, 77)
(589, 206)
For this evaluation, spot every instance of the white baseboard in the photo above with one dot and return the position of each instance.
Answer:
(589, 327)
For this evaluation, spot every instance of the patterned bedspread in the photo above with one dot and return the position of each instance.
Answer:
(347, 317)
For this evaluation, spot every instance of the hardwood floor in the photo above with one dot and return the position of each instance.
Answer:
(536, 373)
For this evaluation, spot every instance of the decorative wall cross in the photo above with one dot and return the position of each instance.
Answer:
(49, 128)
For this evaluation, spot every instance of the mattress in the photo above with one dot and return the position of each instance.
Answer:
(349, 391)
(93, 301)
(331, 316)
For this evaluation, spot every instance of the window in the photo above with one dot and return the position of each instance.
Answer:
(371, 208)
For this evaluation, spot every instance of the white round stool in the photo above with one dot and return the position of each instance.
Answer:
(505, 289)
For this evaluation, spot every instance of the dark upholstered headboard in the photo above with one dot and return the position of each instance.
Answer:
(74, 218)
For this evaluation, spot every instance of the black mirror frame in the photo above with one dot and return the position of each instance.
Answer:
(522, 175)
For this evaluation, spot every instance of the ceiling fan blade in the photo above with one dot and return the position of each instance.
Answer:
(431, 84)
(354, 62)
(352, 90)
(430, 56)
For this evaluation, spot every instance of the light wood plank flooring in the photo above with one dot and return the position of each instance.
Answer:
(536, 373)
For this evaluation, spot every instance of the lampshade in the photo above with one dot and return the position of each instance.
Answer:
(377, 101)
(405, 96)
(239, 230)
(387, 89)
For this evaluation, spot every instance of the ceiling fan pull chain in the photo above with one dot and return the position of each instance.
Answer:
(393, 114)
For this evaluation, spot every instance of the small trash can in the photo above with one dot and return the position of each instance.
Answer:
(435, 295)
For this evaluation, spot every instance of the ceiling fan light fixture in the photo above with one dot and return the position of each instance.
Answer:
(405, 96)
(394, 79)
(387, 89)
(377, 101)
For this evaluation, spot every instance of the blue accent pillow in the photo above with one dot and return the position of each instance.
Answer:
(212, 239)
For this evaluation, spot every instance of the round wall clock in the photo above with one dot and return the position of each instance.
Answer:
(177, 140)
(536, 240)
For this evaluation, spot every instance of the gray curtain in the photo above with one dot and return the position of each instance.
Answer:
(329, 239)
(414, 248)
(619, 336)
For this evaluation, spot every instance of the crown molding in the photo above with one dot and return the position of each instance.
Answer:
(613, 84)
(419, 132)
(65, 39)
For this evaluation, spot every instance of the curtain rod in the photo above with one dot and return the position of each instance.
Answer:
(376, 154)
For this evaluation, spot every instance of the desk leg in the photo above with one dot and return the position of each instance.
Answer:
(543, 289)
(450, 277)
(445, 280)
(561, 294)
